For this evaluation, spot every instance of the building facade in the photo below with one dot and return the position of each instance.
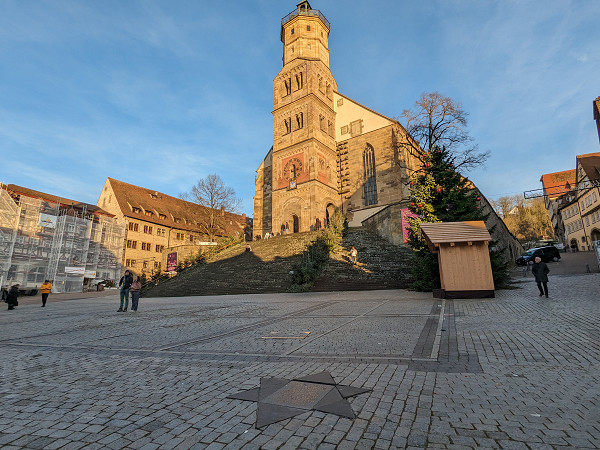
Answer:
(158, 224)
(329, 152)
(70, 243)
(573, 202)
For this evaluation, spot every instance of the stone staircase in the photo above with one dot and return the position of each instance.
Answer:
(266, 269)
(381, 265)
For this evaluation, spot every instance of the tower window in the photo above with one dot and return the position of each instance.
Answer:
(288, 86)
(292, 32)
(322, 123)
(307, 27)
(300, 120)
(299, 81)
(288, 125)
(370, 187)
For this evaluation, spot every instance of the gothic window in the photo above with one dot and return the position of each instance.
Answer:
(288, 86)
(370, 187)
(288, 125)
(299, 120)
(299, 81)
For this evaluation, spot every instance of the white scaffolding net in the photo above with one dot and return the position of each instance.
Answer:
(73, 248)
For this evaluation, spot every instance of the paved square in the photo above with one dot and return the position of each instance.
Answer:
(516, 371)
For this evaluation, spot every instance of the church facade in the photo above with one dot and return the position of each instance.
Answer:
(329, 152)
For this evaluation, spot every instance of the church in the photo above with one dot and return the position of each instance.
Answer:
(329, 152)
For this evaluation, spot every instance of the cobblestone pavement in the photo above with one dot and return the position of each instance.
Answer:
(517, 371)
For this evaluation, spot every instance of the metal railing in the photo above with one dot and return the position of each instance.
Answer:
(305, 12)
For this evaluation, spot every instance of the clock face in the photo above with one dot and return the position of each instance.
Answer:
(293, 184)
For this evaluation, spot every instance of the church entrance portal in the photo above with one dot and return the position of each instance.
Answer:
(329, 212)
(296, 223)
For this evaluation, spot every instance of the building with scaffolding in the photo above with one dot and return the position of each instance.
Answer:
(72, 244)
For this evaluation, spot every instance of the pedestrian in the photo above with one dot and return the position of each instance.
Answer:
(353, 254)
(124, 285)
(540, 272)
(11, 298)
(45, 288)
(135, 293)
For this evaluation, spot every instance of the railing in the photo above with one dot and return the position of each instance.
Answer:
(305, 12)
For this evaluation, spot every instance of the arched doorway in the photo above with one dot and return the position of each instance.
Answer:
(329, 212)
(595, 234)
(574, 245)
(296, 223)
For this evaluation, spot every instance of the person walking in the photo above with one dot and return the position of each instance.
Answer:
(12, 296)
(540, 272)
(45, 288)
(353, 254)
(135, 293)
(124, 285)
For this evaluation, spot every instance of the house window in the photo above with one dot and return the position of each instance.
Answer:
(370, 186)
(129, 243)
(156, 265)
(128, 263)
(133, 244)
(344, 129)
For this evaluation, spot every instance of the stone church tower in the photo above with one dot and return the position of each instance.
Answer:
(329, 152)
(302, 162)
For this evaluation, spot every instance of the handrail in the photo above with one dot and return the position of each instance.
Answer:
(309, 12)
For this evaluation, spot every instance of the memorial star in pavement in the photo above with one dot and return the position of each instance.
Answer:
(280, 399)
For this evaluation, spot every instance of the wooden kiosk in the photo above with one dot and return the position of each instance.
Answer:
(463, 258)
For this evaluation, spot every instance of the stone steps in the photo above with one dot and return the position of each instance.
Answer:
(266, 269)
(380, 265)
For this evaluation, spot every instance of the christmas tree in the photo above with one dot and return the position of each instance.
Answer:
(439, 193)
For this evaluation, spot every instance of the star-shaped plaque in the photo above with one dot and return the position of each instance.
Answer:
(279, 399)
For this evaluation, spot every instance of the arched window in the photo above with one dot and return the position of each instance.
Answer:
(370, 187)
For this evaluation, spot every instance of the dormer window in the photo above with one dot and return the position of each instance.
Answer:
(148, 213)
(154, 195)
(136, 209)
(176, 220)
(162, 216)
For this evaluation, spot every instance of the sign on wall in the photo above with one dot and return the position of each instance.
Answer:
(172, 262)
(47, 220)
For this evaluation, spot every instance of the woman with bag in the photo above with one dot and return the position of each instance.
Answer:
(135, 293)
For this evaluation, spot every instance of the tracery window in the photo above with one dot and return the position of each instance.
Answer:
(370, 186)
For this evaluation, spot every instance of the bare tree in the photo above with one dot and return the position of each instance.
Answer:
(216, 198)
(436, 122)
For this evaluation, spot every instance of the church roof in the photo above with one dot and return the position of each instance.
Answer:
(155, 207)
(557, 183)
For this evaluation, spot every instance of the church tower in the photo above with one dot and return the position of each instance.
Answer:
(304, 175)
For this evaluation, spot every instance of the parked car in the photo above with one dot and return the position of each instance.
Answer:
(549, 253)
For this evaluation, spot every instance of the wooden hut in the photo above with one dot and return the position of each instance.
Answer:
(463, 258)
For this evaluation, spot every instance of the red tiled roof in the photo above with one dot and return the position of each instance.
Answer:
(558, 183)
(178, 213)
(64, 202)
(591, 164)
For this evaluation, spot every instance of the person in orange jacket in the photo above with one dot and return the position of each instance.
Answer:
(45, 288)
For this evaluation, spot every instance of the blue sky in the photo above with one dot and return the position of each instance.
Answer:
(162, 93)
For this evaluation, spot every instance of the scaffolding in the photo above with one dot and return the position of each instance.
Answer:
(42, 239)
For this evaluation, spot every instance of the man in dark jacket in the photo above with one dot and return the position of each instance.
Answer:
(11, 298)
(540, 272)
(124, 285)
